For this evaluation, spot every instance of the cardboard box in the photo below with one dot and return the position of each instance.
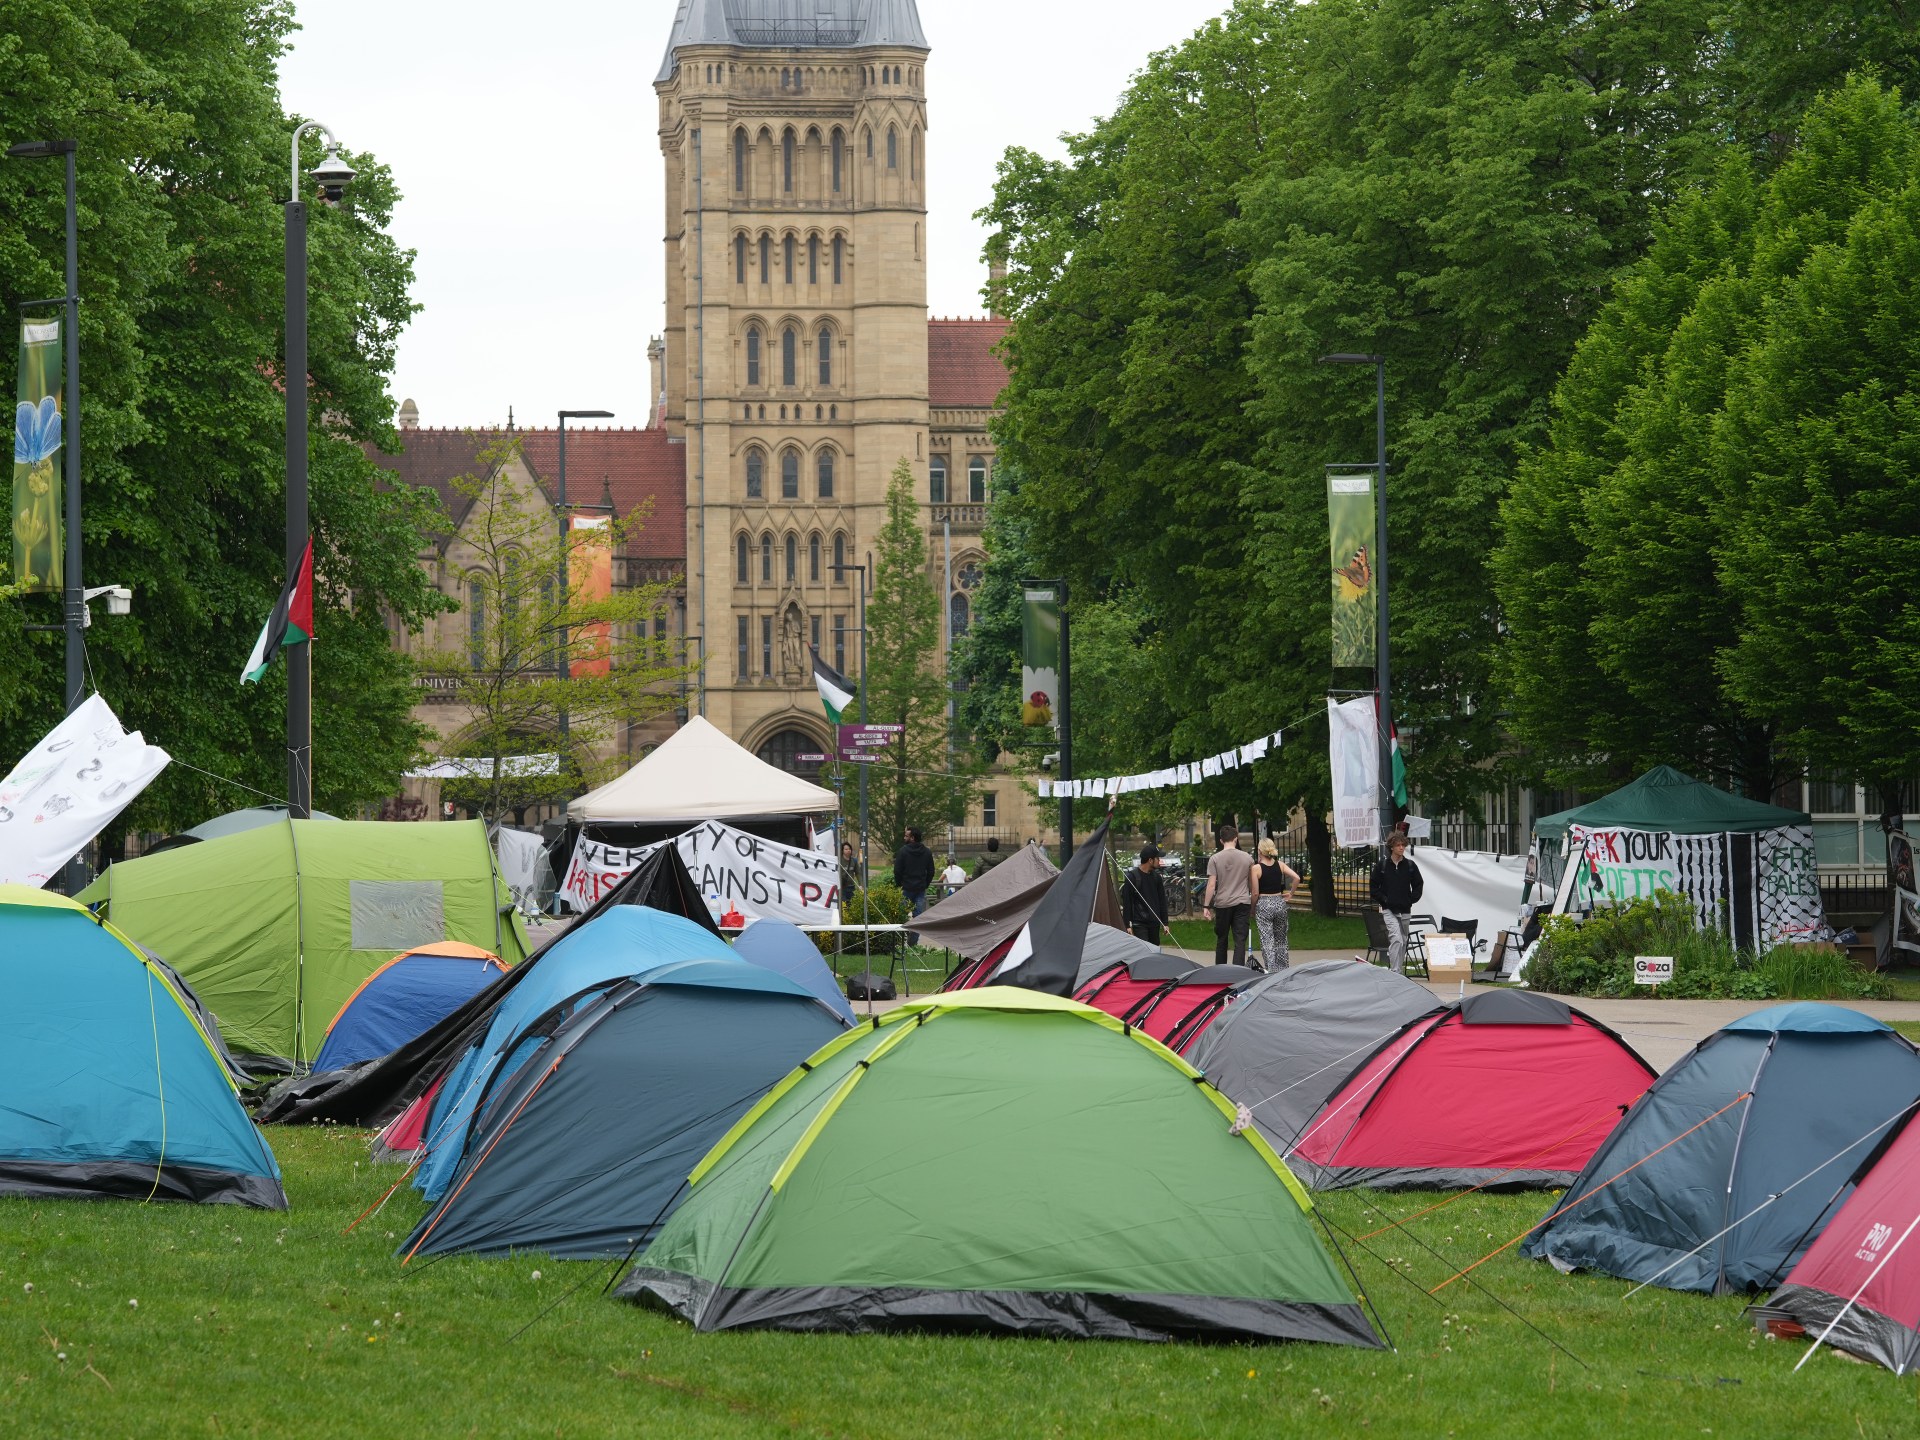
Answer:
(1449, 956)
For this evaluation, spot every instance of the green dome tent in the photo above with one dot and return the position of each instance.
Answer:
(275, 927)
(1747, 867)
(998, 1160)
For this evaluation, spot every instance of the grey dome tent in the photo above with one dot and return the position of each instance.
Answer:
(1679, 1194)
(1108, 946)
(1290, 1039)
(584, 1151)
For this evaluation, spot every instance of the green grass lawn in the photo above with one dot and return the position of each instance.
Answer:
(1305, 931)
(280, 1325)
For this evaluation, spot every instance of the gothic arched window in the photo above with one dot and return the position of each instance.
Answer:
(766, 558)
(790, 356)
(813, 260)
(756, 474)
(787, 248)
(813, 558)
(825, 473)
(753, 355)
(839, 246)
(740, 161)
(937, 480)
(893, 147)
(793, 557)
(977, 480)
(740, 259)
(786, 162)
(826, 356)
(740, 558)
(766, 259)
(839, 560)
(838, 145)
(790, 475)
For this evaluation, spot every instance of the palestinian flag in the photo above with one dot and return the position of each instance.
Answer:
(291, 622)
(836, 691)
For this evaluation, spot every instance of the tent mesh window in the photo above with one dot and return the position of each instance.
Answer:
(396, 914)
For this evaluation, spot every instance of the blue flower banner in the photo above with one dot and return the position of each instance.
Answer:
(37, 544)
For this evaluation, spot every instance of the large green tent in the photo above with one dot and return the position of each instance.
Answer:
(1670, 800)
(1003, 1160)
(276, 927)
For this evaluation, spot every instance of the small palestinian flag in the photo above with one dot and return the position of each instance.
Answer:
(291, 622)
(836, 691)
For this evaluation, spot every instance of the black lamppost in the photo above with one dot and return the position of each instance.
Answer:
(332, 175)
(74, 605)
(1383, 672)
(566, 532)
(839, 575)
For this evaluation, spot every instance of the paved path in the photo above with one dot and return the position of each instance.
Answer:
(1661, 1030)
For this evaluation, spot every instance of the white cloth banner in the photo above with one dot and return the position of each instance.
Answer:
(1471, 885)
(1354, 754)
(68, 789)
(523, 862)
(759, 878)
(1187, 772)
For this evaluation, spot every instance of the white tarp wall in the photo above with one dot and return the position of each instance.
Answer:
(523, 865)
(68, 789)
(1471, 885)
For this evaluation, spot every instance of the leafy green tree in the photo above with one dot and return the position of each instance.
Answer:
(182, 165)
(1616, 570)
(508, 676)
(921, 780)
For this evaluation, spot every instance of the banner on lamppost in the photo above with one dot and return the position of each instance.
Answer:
(1350, 519)
(1040, 658)
(590, 567)
(38, 549)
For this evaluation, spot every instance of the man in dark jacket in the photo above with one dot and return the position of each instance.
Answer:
(913, 870)
(1396, 887)
(1143, 896)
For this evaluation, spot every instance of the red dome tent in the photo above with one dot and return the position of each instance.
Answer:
(1858, 1286)
(1169, 997)
(1508, 1089)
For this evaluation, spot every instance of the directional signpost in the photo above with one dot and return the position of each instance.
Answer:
(862, 744)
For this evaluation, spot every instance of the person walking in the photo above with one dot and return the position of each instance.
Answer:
(1143, 896)
(849, 870)
(1273, 882)
(1396, 886)
(1229, 898)
(913, 870)
(987, 861)
(952, 878)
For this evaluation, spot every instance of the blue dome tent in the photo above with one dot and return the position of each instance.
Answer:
(109, 1085)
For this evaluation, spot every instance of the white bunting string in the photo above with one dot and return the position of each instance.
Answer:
(1187, 772)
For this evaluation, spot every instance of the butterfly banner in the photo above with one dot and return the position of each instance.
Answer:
(1040, 658)
(69, 788)
(1350, 518)
(37, 548)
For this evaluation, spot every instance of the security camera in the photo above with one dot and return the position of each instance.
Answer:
(1049, 760)
(119, 600)
(333, 175)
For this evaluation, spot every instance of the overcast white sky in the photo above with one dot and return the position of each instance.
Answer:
(523, 138)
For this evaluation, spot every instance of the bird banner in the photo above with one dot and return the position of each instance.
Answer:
(38, 551)
(1040, 658)
(1350, 519)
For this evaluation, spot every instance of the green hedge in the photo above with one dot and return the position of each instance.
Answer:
(1594, 956)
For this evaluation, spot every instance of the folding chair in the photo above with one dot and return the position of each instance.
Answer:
(1378, 940)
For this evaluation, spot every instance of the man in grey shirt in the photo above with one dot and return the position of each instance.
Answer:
(1229, 898)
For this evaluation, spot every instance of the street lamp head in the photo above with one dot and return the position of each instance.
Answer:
(41, 149)
(1346, 357)
(566, 415)
(333, 175)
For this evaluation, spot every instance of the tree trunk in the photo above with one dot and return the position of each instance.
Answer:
(1320, 863)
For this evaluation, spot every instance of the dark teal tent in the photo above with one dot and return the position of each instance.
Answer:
(1668, 800)
(585, 1151)
(1726, 1169)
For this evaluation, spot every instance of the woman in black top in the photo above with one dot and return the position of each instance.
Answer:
(1273, 883)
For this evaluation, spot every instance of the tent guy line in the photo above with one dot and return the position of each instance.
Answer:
(1463, 1274)
(1784, 1190)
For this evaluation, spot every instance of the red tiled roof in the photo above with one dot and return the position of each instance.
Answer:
(636, 465)
(962, 370)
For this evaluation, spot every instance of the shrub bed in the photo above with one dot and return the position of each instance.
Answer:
(1594, 956)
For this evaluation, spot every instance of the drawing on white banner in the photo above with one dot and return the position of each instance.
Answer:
(69, 788)
(759, 877)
